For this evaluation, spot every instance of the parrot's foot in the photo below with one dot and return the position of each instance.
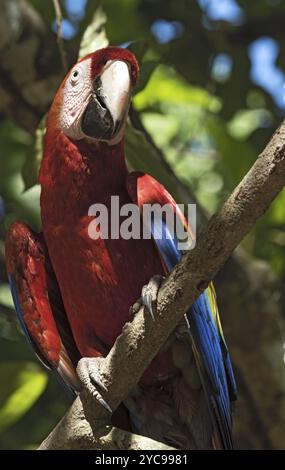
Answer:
(88, 371)
(149, 297)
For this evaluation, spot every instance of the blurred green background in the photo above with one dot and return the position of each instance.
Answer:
(209, 97)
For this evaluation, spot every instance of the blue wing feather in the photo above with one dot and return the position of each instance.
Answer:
(13, 287)
(211, 348)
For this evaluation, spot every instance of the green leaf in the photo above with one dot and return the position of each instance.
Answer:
(139, 48)
(163, 127)
(276, 213)
(22, 383)
(246, 121)
(5, 296)
(142, 155)
(166, 86)
(146, 70)
(94, 36)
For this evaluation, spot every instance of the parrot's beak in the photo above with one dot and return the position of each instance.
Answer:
(107, 109)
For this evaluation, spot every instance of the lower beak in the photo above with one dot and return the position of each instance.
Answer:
(97, 121)
(106, 112)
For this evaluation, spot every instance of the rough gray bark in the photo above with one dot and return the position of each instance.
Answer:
(247, 291)
(74, 432)
(142, 338)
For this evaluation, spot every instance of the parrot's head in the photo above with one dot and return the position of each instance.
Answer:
(93, 100)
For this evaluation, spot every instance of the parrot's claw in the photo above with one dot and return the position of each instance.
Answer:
(149, 297)
(135, 307)
(88, 371)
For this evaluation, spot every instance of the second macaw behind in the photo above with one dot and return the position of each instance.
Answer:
(73, 293)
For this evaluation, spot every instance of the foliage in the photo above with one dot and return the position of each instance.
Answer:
(198, 100)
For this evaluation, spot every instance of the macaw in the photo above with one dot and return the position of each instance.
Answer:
(73, 294)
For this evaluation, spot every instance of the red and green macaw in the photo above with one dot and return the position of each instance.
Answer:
(73, 294)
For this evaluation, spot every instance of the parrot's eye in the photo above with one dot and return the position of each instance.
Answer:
(75, 76)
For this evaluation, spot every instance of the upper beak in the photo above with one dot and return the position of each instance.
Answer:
(108, 106)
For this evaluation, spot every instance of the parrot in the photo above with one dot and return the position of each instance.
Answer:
(73, 294)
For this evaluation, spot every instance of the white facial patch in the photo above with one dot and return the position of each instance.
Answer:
(76, 95)
(115, 90)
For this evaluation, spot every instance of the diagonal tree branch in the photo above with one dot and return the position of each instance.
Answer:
(141, 339)
(60, 41)
(75, 432)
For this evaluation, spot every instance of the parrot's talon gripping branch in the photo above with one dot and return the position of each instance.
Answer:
(88, 371)
(149, 295)
(135, 308)
(148, 298)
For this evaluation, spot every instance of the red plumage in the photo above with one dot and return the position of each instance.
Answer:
(25, 258)
(99, 279)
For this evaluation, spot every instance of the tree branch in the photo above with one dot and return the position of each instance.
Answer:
(141, 339)
(60, 41)
(75, 432)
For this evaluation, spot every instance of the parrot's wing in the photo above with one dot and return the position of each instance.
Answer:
(209, 346)
(38, 302)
